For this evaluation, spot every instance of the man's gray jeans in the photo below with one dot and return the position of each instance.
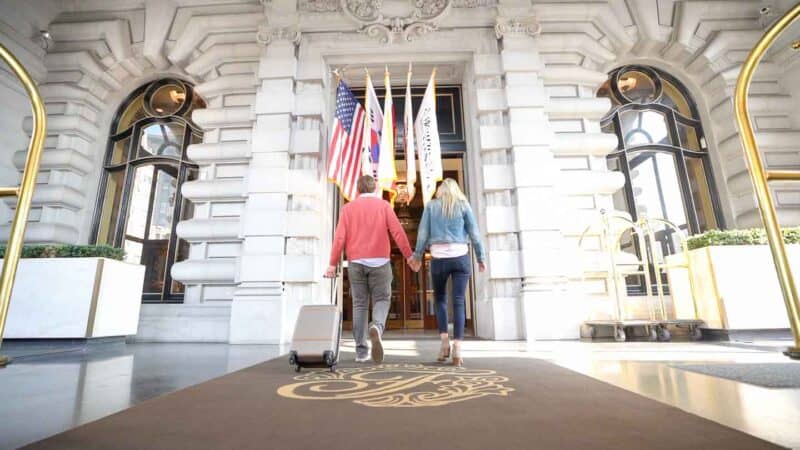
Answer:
(366, 282)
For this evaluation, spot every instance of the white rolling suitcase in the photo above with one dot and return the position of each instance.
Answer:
(315, 342)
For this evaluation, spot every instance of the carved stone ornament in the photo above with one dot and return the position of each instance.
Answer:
(526, 26)
(422, 19)
(319, 5)
(473, 3)
(266, 35)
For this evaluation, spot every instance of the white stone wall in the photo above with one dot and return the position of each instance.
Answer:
(536, 160)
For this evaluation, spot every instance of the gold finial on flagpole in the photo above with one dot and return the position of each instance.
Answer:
(338, 75)
(433, 77)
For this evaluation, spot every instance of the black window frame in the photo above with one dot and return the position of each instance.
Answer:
(625, 154)
(183, 166)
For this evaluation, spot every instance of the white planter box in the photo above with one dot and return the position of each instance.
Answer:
(75, 298)
(735, 287)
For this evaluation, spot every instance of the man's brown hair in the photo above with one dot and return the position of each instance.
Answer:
(366, 184)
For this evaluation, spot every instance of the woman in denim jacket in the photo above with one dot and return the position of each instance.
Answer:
(447, 226)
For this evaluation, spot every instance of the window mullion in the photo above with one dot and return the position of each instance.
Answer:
(683, 177)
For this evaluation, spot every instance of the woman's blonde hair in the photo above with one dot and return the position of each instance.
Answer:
(451, 196)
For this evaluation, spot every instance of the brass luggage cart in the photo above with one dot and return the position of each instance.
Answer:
(660, 266)
(613, 228)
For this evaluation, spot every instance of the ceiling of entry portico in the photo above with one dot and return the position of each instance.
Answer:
(354, 73)
(368, 11)
(392, 20)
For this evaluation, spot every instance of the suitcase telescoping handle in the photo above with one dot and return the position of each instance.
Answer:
(334, 282)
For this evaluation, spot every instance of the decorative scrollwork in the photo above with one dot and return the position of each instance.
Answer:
(267, 35)
(319, 5)
(398, 385)
(363, 10)
(429, 9)
(473, 3)
(527, 26)
(397, 30)
(420, 21)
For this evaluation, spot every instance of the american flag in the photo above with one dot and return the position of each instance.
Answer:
(344, 160)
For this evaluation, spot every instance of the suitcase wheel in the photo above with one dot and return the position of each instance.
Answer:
(297, 368)
(329, 358)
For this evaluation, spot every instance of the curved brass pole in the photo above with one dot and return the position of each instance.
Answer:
(759, 175)
(25, 191)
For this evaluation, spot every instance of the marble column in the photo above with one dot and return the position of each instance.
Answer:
(260, 312)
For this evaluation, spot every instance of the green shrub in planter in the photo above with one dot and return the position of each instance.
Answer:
(754, 236)
(68, 251)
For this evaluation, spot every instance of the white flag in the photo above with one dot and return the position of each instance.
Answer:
(411, 152)
(427, 134)
(387, 173)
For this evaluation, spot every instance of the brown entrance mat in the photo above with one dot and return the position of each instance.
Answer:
(492, 404)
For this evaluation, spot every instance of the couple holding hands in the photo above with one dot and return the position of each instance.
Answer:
(447, 227)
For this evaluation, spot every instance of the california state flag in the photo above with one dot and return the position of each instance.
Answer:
(387, 172)
(427, 134)
(410, 147)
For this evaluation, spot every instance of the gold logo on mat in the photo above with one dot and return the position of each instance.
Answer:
(397, 385)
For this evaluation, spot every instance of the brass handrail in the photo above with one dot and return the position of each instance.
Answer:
(759, 176)
(24, 192)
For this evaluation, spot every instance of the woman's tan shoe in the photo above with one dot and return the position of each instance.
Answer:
(444, 352)
(457, 360)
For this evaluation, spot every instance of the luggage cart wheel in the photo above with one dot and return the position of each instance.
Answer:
(653, 335)
(297, 368)
(333, 368)
(663, 334)
(696, 333)
(619, 334)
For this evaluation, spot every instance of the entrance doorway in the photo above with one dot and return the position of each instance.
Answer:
(412, 302)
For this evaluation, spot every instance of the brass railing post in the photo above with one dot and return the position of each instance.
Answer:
(25, 191)
(759, 176)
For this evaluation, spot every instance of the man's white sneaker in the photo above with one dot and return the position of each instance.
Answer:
(377, 344)
(363, 359)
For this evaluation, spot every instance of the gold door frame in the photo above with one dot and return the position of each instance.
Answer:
(24, 192)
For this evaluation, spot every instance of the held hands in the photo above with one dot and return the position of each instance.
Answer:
(413, 263)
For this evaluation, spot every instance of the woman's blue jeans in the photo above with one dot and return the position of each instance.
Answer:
(459, 269)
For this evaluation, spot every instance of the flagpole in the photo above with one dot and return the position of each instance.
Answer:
(408, 123)
(433, 77)
(366, 168)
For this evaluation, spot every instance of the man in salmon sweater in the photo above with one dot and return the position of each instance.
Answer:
(363, 233)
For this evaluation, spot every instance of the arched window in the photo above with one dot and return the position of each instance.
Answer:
(662, 150)
(663, 154)
(139, 202)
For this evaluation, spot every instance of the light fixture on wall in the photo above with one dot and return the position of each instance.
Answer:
(45, 39)
(766, 15)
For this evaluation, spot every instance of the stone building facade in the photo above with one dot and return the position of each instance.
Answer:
(262, 211)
